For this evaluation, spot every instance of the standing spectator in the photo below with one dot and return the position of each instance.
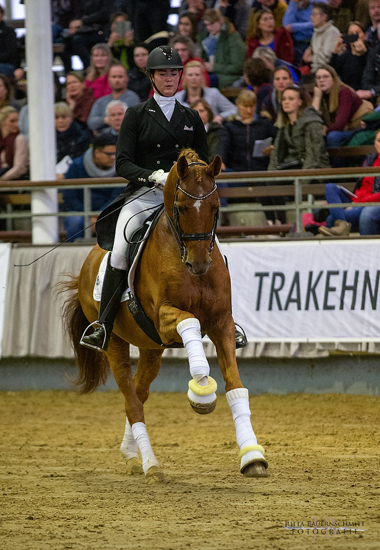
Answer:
(14, 149)
(97, 162)
(223, 49)
(115, 112)
(149, 17)
(121, 46)
(196, 89)
(324, 37)
(349, 60)
(139, 82)
(297, 21)
(73, 139)
(265, 33)
(97, 76)
(340, 106)
(213, 129)
(374, 14)
(6, 93)
(271, 104)
(9, 59)
(185, 47)
(87, 28)
(277, 7)
(79, 97)
(118, 80)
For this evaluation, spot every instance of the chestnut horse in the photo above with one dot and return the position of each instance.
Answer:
(183, 284)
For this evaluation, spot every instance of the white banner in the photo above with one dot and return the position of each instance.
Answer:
(5, 251)
(320, 290)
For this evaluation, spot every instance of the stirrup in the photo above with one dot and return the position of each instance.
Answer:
(86, 345)
(240, 337)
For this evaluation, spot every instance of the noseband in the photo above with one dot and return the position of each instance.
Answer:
(178, 234)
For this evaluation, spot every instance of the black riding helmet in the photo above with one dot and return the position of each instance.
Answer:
(163, 57)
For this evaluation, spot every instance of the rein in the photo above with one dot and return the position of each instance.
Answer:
(175, 227)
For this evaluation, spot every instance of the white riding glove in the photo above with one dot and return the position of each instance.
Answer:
(159, 177)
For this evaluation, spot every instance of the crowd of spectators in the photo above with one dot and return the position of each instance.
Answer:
(306, 75)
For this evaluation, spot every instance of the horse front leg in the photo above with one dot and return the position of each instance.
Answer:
(252, 460)
(135, 436)
(202, 387)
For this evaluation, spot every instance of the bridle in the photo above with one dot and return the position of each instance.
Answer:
(175, 227)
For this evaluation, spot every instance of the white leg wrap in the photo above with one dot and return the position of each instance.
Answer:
(190, 332)
(245, 436)
(128, 447)
(141, 436)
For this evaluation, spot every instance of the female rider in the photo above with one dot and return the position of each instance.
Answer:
(151, 136)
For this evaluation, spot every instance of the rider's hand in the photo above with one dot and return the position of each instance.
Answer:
(159, 177)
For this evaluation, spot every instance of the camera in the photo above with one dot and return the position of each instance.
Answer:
(349, 38)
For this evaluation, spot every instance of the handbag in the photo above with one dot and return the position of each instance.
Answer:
(365, 108)
(290, 164)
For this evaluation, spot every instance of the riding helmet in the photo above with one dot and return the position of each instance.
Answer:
(164, 57)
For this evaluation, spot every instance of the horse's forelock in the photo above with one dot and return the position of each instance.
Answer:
(190, 154)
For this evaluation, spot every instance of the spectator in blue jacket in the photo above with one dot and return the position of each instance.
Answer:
(297, 21)
(97, 162)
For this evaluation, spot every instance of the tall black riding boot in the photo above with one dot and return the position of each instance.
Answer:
(113, 288)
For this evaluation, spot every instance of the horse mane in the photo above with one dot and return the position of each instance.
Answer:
(190, 154)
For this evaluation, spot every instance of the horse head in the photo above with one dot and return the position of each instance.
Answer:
(192, 206)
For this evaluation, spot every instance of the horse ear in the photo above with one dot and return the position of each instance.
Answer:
(215, 167)
(182, 167)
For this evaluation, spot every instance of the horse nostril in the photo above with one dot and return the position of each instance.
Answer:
(188, 265)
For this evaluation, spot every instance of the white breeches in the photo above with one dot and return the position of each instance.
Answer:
(135, 213)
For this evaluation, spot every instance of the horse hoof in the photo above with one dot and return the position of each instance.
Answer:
(134, 467)
(154, 475)
(255, 469)
(203, 408)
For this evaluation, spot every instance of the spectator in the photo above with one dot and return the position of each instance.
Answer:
(297, 21)
(185, 47)
(237, 11)
(6, 94)
(240, 138)
(97, 162)
(277, 7)
(187, 26)
(121, 46)
(374, 14)
(223, 49)
(349, 59)
(196, 8)
(8, 48)
(79, 97)
(264, 33)
(271, 61)
(195, 89)
(259, 79)
(86, 29)
(14, 150)
(213, 129)
(138, 81)
(115, 112)
(342, 12)
(73, 139)
(369, 221)
(118, 80)
(97, 76)
(341, 108)
(271, 104)
(370, 85)
(367, 189)
(324, 37)
(299, 141)
(149, 17)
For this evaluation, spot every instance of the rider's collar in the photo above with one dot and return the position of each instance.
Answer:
(163, 101)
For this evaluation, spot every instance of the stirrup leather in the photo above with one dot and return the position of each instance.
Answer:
(86, 344)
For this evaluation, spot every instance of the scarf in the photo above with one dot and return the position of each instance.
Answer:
(166, 104)
(94, 171)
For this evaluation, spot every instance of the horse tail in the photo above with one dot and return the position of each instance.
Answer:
(93, 366)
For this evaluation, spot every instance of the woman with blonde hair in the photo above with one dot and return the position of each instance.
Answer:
(97, 75)
(194, 89)
(14, 149)
(342, 109)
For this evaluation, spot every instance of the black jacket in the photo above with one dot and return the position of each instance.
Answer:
(93, 13)
(149, 142)
(371, 73)
(8, 45)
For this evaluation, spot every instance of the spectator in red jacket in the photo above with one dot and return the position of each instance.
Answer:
(265, 33)
(79, 97)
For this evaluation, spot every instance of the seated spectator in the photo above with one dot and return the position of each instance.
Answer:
(342, 12)
(97, 162)
(370, 84)
(277, 7)
(297, 21)
(259, 79)
(14, 148)
(299, 142)
(97, 76)
(372, 36)
(115, 112)
(349, 59)
(138, 81)
(213, 129)
(79, 97)
(223, 49)
(265, 33)
(118, 80)
(9, 60)
(86, 29)
(367, 189)
(188, 26)
(271, 61)
(186, 50)
(240, 137)
(271, 104)
(237, 12)
(324, 37)
(121, 46)
(341, 108)
(73, 139)
(195, 89)
(197, 8)
(6, 93)
(369, 221)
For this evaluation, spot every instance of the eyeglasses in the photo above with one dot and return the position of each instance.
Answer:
(108, 154)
